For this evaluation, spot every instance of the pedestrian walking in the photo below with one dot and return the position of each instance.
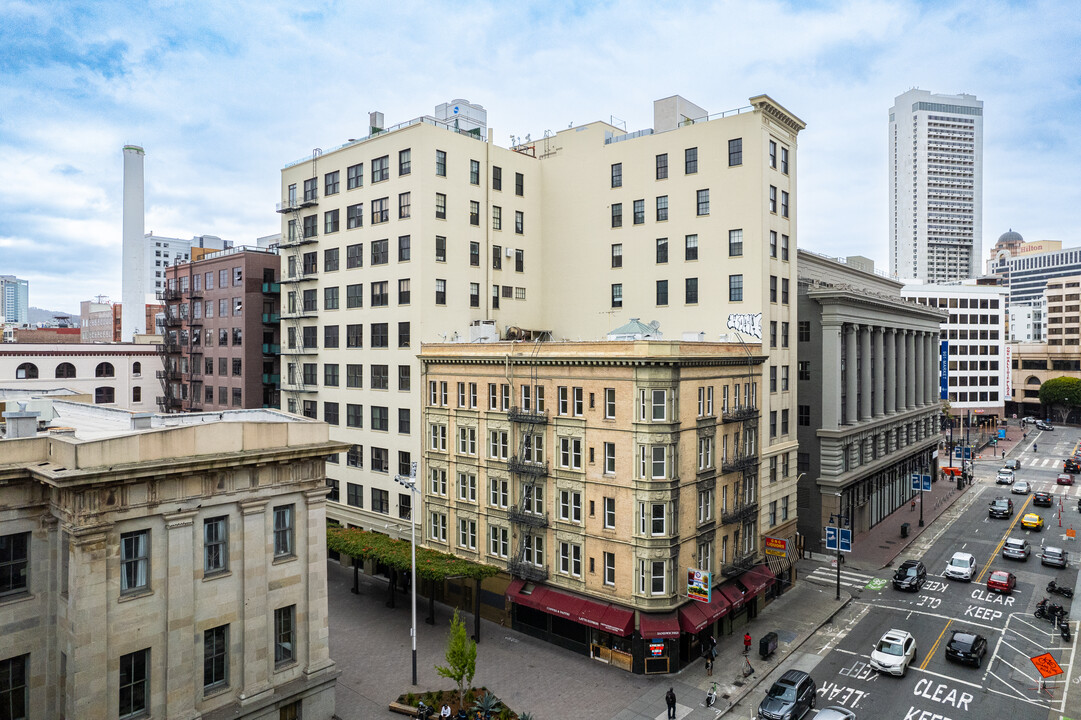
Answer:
(670, 700)
(746, 643)
(713, 647)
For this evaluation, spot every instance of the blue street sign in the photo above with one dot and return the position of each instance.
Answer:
(918, 480)
(1002, 433)
(846, 540)
(943, 370)
(831, 538)
(964, 453)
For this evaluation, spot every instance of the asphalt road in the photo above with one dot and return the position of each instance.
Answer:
(1007, 685)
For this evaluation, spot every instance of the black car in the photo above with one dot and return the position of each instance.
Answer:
(1071, 466)
(1000, 507)
(789, 698)
(1043, 499)
(910, 576)
(1041, 425)
(966, 647)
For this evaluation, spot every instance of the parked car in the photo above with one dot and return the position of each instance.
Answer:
(962, 566)
(1041, 425)
(835, 712)
(1005, 477)
(911, 575)
(894, 652)
(1000, 507)
(1032, 521)
(790, 697)
(1028, 419)
(1064, 479)
(966, 647)
(1016, 549)
(1020, 488)
(1043, 499)
(1054, 557)
(1001, 581)
(1012, 464)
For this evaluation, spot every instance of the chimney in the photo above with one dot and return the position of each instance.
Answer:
(133, 279)
(21, 423)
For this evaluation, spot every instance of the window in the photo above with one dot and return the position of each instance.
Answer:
(617, 175)
(380, 418)
(330, 298)
(784, 169)
(662, 208)
(519, 261)
(617, 255)
(617, 215)
(405, 162)
(498, 492)
(662, 250)
(403, 291)
(609, 403)
(135, 561)
(441, 206)
(662, 292)
(467, 441)
(379, 335)
(497, 177)
(519, 184)
(690, 251)
(103, 370)
(784, 334)
(784, 247)
(14, 563)
(216, 657)
(784, 378)
(609, 513)
(330, 223)
(609, 457)
(570, 559)
(354, 218)
(441, 163)
(283, 531)
(15, 688)
(773, 243)
(735, 243)
(617, 295)
(354, 176)
(705, 453)
(803, 415)
(773, 154)
(474, 212)
(285, 650)
(381, 169)
(467, 486)
(311, 189)
(67, 370)
(474, 294)
(772, 199)
(405, 205)
(784, 291)
(519, 222)
(609, 568)
(784, 203)
(735, 288)
(735, 152)
(498, 541)
(639, 212)
(134, 683)
(703, 202)
(662, 166)
(467, 534)
(380, 498)
(380, 210)
(215, 545)
(440, 292)
(691, 291)
(690, 161)
(570, 453)
(354, 256)
(773, 333)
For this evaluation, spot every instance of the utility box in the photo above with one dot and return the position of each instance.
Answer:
(904, 530)
(767, 644)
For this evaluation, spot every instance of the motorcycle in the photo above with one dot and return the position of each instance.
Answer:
(1064, 629)
(1047, 610)
(1053, 587)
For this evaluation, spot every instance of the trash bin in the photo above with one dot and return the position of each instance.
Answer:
(960, 482)
(767, 644)
(904, 530)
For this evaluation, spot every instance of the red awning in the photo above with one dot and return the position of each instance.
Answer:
(659, 626)
(733, 594)
(603, 616)
(563, 605)
(618, 620)
(757, 579)
(534, 599)
(696, 615)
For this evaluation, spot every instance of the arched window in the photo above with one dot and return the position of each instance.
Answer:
(104, 395)
(104, 370)
(26, 371)
(136, 394)
(1032, 380)
(65, 370)
(136, 369)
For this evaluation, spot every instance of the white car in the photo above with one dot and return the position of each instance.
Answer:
(1005, 477)
(894, 653)
(1020, 488)
(962, 566)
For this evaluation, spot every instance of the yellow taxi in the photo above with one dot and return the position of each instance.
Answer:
(1032, 521)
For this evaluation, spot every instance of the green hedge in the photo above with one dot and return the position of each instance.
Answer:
(431, 564)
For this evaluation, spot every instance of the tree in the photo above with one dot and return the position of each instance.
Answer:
(461, 658)
(1061, 394)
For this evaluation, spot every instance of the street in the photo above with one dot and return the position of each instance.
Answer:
(1007, 683)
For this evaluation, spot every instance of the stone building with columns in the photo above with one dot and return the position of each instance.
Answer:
(869, 409)
(164, 566)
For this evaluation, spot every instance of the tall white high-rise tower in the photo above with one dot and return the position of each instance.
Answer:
(936, 186)
(133, 293)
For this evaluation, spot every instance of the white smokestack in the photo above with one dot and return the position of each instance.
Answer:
(133, 313)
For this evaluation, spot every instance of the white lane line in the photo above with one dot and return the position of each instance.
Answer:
(1016, 696)
(940, 616)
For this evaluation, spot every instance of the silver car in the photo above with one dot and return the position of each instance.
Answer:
(1055, 557)
(1020, 488)
(1016, 549)
(835, 712)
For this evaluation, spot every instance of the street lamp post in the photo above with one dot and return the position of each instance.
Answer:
(410, 483)
(840, 522)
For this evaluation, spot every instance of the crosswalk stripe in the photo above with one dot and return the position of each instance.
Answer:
(831, 574)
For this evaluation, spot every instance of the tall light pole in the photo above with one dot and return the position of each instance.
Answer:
(410, 483)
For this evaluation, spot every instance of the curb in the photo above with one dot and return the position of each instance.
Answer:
(746, 690)
(912, 538)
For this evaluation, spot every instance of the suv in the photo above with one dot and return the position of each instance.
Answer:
(1043, 499)
(789, 698)
(1012, 464)
(962, 566)
(1000, 507)
(1041, 425)
(1016, 549)
(894, 652)
(911, 575)
(1055, 557)
(1071, 466)
(1005, 477)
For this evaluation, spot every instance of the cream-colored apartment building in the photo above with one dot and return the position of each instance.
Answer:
(428, 231)
(163, 566)
(599, 474)
(1032, 364)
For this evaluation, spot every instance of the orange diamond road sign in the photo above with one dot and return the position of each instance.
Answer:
(1071, 533)
(1046, 665)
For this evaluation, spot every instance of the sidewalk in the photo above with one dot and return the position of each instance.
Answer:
(371, 645)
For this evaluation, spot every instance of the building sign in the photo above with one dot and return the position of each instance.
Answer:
(777, 547)
(944, 369)
(748, 323)
(656, 649)
(699, 585)
(1007, 371)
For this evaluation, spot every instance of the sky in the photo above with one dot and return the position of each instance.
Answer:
(222, 95)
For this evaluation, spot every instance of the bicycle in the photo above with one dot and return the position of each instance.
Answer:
(711, 695)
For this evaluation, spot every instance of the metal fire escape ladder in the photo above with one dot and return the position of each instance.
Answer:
(746, 461)
(526, 472)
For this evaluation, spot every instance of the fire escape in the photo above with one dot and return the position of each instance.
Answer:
(170, 400)
(527, 466)
(297, 277)
(744, 461)
(195, 340)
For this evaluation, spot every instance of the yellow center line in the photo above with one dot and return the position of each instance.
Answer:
(982, 577)
(930, 653)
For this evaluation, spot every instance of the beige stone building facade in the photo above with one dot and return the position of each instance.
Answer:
(1033, 364)
(428, 231)
(161, 566)
(599, 474)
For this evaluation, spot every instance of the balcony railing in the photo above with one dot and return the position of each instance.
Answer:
(272, 288)
(525, 468)
(269, 379)
(739, 565)
(740, 514)
(167, 294)
(296, 203)
(271, 318)
(528, 571)
(736, 414)
(737, 464)
(518, 415)
(272, 349)
(526, 518)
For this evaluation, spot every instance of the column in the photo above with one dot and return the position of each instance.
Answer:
(258, 649)
(179, 599)
(87, 686)
(831, 375)
(918, 367)
(318, 619)
(877, 354)
(851, 335)
(889, 355)
(865, 372)
(910, 369)
(902, 372)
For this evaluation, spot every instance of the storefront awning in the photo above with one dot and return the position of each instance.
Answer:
(659, 626)
(733, 594)
(618, 620)
(603, 616)
(695, 615)
(778, 564)
(756, 579)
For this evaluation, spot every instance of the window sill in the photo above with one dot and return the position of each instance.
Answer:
(217, 574)
(215, 691)
(282, 559)
(17, 597)
(134, 595)
(286, 665)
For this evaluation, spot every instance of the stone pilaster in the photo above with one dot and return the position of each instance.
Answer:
(258, 644)
(179, 596)
(831, 376)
